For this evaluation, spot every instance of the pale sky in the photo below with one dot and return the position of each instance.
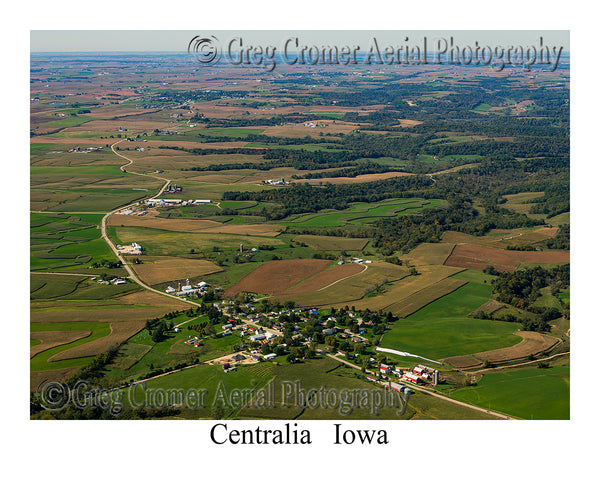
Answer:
(177, 40)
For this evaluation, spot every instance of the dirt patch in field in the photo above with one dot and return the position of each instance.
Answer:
(119, 332)
(532, 344)
(370, 177)
(54, 339)
(166, 269)
(478, 257)
(327, 277)
(463, 361)
(277, 276)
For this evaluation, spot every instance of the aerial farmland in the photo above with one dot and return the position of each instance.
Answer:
(188, 230)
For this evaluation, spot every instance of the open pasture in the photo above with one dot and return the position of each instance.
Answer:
(443, 329)
(528, 393)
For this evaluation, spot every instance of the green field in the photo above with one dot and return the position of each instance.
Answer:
(363, 213)
(40, 361)
(443, 329)
(161, 242)
(529, 393)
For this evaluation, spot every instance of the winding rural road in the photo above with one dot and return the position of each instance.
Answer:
(134, 277)
(113, 247)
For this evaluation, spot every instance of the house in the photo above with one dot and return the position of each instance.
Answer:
(257, 337)
(329, 331)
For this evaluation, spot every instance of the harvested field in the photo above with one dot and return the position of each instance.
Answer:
(488, 308)
(429, 254)
(300, 130)
(173, 225)
(369, 177)
(100, 315)
(501, 238)
(36, 379)
(423, 297)
(166, 269)
(54, 339)
(532, 344)
(327, 277)
(277, 276)
(408, 286)
(188, 225)
(145, 297)
(119, 332)
(463, 361)
(478, 257)
(319, 242)
(349, 289)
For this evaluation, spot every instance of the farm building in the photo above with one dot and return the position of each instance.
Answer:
(257, 337)
(385, 369)
(410, 377)
(170, 290)
(270, 356)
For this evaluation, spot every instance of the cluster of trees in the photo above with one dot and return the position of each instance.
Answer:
(522, 287)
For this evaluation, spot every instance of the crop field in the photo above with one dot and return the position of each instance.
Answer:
(319, 242)
(74, 287)
(368, 177)
(277, 276)
(478, 257)
(326, 278)
(363, 213)
(47, 340)
(349, 289)
(529, 393)
(413, 291)
(156, 270)
(443, 329)
(160, 242)
(532, 344)
(429, 254)
(193, 225)
(502, 238)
